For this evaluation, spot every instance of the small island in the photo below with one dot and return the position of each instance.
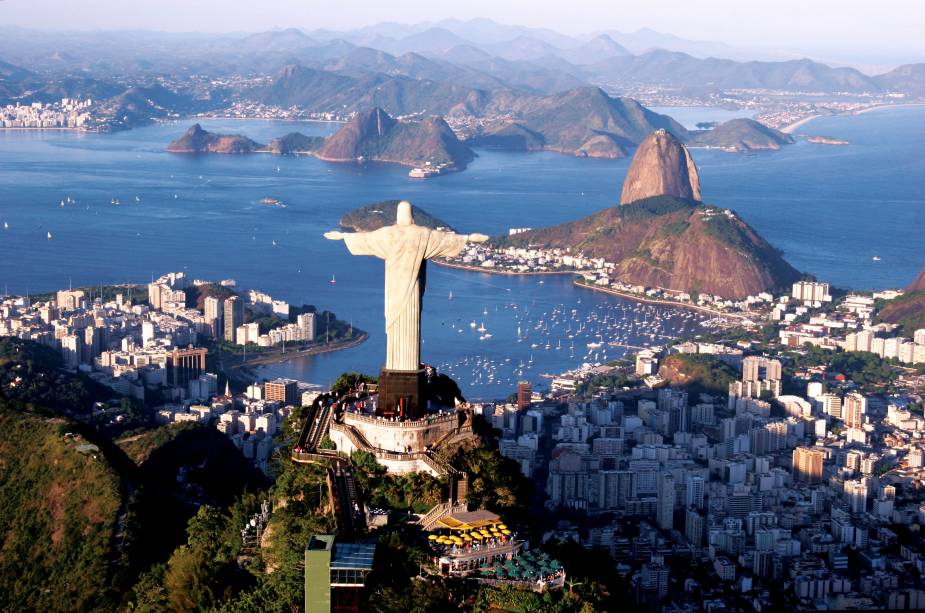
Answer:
(740, 136)
(374, 136)
(374, 216)
(197, 140)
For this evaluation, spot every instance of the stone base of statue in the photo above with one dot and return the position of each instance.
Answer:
(402, 393)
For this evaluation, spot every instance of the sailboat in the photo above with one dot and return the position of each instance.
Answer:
(6, 226)
(450, 297)
(49, 235)
(333, 280)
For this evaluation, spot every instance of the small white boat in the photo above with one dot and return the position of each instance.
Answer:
(49, 236)
(876, 258)
(6, 226)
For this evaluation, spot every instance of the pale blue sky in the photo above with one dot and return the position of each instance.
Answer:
(881, 27)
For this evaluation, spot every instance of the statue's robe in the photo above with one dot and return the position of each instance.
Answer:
(405, 250)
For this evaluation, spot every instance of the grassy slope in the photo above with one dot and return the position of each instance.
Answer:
(58, 513)
(908, 310)
(701, 372)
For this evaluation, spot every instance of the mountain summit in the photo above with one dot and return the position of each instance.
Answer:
(662, 166)
(375, 136)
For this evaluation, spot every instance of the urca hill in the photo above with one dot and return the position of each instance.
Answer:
(662, 236)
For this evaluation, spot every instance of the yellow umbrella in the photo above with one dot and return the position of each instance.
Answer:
(477, 536)
(432, 537)
(501, 526)
(505, 532)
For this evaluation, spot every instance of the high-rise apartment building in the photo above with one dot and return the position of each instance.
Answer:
(214, 312)
(807, 464)
(233, 317)
(854, 409)
(666, 500)
(524, 394)
(282, 390)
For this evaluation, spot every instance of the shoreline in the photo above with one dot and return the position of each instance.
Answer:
(577, 283)
(661, 301)
(34, 129)
(216, 117)
(507, 273)
(246, 367)
(790, 128)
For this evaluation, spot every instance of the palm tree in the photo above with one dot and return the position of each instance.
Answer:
(572, 584)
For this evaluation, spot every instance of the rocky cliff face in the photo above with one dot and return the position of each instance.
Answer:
(662, 166)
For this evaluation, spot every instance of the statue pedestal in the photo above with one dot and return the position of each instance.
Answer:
(401, 393)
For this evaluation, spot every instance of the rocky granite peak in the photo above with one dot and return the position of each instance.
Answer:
(662, 166)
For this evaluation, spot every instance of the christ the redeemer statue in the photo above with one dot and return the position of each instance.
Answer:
(405, 247)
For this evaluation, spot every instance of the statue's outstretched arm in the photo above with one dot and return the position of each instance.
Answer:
(334, 235)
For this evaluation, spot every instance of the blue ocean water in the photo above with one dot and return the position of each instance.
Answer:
(830, 209)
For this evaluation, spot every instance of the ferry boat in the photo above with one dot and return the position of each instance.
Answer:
(423, 173)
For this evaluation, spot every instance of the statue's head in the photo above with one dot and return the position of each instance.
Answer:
(403, 214)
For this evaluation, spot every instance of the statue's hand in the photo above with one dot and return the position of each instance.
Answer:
(478, 238)
(334, 235)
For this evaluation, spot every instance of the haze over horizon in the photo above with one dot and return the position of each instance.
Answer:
(850, 32)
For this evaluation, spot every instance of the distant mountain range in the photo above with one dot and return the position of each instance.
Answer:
(476, 53)
(584, 121)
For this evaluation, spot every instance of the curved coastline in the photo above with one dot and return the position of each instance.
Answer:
(673, 303)
(508, 273)
(578, 283)
(790, 128)
(245, 367)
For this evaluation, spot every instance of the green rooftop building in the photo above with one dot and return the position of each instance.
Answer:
(335, 574)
